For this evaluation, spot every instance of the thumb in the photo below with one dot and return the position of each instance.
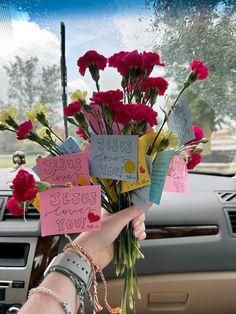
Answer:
(124, 216)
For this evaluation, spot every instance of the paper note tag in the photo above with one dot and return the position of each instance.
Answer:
(159, 172)
(140, 197)
(143, 173)
(96, 119)
(180, 122)
(71, 145)
(108, 185)
(36, 202)
(177, 176)
(63, 169)
(146, 141)
(70, 211)
(114, 157)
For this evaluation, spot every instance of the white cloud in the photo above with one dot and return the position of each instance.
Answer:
(28, 40)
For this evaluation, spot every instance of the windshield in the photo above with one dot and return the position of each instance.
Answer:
(179, 32)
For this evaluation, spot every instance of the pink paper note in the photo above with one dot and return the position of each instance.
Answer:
(177, 177)
(98, 124)
(70, 211)
(63, 169)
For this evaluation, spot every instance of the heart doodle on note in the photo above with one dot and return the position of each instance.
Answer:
(142, 170)
(93, 218)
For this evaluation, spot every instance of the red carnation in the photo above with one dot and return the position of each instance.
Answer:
(24, 130)
(156, 82)
(193, 160)
(112, 98)
(199, 134)
(115, 59)
(131, 60)
(24, 186)
(199, 68)
(72, 109)
(123, 114)
(14, 208)
(139, 112)
(81, 134)
(91, 57)
(149, 60)
(150, 115)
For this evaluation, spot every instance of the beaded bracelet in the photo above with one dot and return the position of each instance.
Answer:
(66, 307)
(81, 252)
(80, 288)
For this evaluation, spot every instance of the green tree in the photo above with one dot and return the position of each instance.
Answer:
(205, 30)
(30, 83)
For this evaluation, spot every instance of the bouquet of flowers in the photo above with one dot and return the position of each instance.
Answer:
(125, 143)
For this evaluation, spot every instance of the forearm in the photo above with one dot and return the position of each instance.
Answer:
(62, 286)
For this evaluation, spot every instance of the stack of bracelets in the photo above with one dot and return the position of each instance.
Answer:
(79, 267)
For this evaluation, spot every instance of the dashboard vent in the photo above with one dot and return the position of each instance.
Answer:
(232, 219)
(226, 197)
(31, 213)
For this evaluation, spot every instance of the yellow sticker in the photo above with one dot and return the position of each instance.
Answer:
(129, 166)
(82, 180)
(36, 202)
(143, 175)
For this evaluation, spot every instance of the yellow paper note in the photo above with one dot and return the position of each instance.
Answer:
(36, 203)
(108, 186)
(143, 175)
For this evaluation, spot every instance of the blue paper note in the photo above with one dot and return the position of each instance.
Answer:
(140, 197)
(70, 146)
(114, 157)
(159, 172)
(180, 122)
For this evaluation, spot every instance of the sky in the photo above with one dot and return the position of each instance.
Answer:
(32, 28)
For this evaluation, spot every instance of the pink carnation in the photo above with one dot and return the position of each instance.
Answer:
(199, 135)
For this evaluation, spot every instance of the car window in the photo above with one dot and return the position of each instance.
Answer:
(179, 31)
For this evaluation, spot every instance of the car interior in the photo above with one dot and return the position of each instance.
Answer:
(190, 256)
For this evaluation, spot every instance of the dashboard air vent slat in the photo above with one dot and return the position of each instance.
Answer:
(226, 197)
(31, 212)
(232, 220)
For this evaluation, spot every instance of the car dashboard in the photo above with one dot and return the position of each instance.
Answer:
(186, 233)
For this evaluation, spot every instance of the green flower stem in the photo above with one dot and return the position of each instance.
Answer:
(51, 130)
(97, 86)
(150, 150)
(180, 93)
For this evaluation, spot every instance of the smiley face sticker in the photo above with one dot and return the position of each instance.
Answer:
(129, 166)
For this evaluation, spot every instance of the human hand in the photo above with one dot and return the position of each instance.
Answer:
(99, 244)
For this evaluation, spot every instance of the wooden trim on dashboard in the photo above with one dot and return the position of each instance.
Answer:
(164, 232)
(47, 248)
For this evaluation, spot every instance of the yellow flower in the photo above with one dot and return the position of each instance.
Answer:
(78, 95)
(8, 112)
(42, 132)
(32, 113)
(172, 137)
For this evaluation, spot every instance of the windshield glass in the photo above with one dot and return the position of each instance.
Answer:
(179, 31)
